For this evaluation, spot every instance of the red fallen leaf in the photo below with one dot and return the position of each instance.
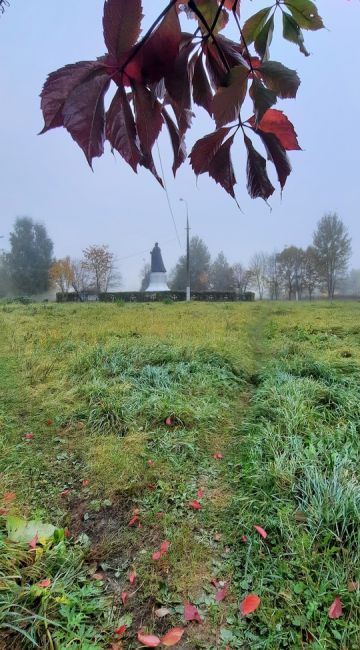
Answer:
(218, 456)
(44, 583)
(121, 630)
(169, 421)
(214, 582)
(49, 422)
(221, 594)
(9, 496)
(28, 436)
(249, 604)
(172, 637)
(3, 511)
(352, 586)
(67, 532)
(195, 505)
(150, 462)
(149, 640)
(261, 531)
(97, 576)
(133, 520)
(335, 609)
(85, 482)
(164, 547)
(191, 613)
(33, 542)
(151, 487)
(65, 493)
(200, 493)
(123, 597)
(244, 539)
(132, 577)
(156, 556)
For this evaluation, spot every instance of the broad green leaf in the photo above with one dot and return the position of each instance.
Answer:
(254, 24)
(282, 80)
(264, 38)
(293, 33)
(305, 13)
(20, 530)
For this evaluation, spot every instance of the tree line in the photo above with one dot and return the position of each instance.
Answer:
(30, 268)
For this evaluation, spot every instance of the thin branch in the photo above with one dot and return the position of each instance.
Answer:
(209, 30)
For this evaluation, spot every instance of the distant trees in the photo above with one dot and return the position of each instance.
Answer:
(200, 259)
(145, 276)
(291, 270)
(61, 274)
(258, 272)
(332, 246)
(99, 263)
(241, 277)
(30, 257)
(221, 274)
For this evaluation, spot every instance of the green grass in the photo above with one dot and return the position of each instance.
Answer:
(274, 388)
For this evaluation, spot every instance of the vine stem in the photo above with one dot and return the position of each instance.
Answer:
(209, 29)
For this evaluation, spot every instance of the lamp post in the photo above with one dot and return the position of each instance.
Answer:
(187, 253)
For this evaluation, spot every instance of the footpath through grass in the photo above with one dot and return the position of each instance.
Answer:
(129, 426)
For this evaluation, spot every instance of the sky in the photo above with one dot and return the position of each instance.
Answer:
(47, 177)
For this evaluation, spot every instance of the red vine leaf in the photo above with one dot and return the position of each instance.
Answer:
(249, 604)
(335, 609)
(179, 149)
(172, 637)
(158, 54)
(121, 129)
(282, 80)
(202, 93)
(277, 154)
(148, 117)
(221, 168)
(121, 24)
(204, 150)
(191, 613)
(276, 122)
(229, 97)
(262, 97)
(258, 183)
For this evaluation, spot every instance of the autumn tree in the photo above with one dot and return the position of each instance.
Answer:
(61, 274)
(199, 268)
(30, 256)
(221, 274)
(99, 263)
(332, 246)
(162, 75)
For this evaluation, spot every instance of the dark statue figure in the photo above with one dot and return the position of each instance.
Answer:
(157, 264)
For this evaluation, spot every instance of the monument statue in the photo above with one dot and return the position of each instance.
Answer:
(157, 264)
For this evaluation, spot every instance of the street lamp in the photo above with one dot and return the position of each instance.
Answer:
(187, 253)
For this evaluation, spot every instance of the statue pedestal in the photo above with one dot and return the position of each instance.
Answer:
(157, 282)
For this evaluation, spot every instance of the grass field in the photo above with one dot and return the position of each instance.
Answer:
(124, 426)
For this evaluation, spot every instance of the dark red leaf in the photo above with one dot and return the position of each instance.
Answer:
(84, 114)
(49, 422)
(58, 87)
(229, 97)
(191, 613)
(156, 556)
(28, 436)
(200, 493)
(195, 505)
(85, 482)
(149, 640)
(262, 98)
(159, 53)
(179, 149)
(258, 183)
(204, 150)
(277, 154)
(172, 637)
(218, 456)
(276, 122)
(132, 577)
(121, 130)
(3, 511)
(249, 604)
(177, 81)
(133, 520)
(120, 630)
(65, 492)
(214, 65)
(202, 93)
(282, 80)
(148, 162)
(164, 547)
(335, 609)
(148, 117)
(122, 24)
(221, 168)
(244, 539)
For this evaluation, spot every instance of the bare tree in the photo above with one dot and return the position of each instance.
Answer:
(145, 276)
(80, 281)
(241, 277)
(332, 245)
(99, 262)
(273, 278)
(257, 268)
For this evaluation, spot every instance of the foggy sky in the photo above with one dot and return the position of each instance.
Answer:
(47, 177)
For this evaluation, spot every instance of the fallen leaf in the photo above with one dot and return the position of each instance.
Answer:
(221, 594)
(249, 604)
(156, 556)
(173, 636)
(151, 486)
(352, 586)
(97, 576)
(261, 531)
(85, 482)
(123, 597)
(9, 496)
(335, 609)
(133, 520)
(33, 542)
(65, 493)
(28, 436)
(164, 547)
(121, 630)
(44, 583)
(191, 613)
(169, 421)
(149, 640)
(200, 493)
(49, 422)
(161, 612)
(150, 462)
(244, 539)
(195, 505)
(217, 537)
(66, 532)
(218, 456)
(3, 511)
(132, 577)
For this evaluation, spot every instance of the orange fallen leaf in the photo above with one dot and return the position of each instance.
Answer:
(261, 531)
(49, 422)
(133, 520)
(249, 604)
(172, 637)
(335, 609)
(149, 640)
(9, 496)
(66, 532)
(218, 456)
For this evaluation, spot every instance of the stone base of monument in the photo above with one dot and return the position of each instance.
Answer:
(158, 282)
